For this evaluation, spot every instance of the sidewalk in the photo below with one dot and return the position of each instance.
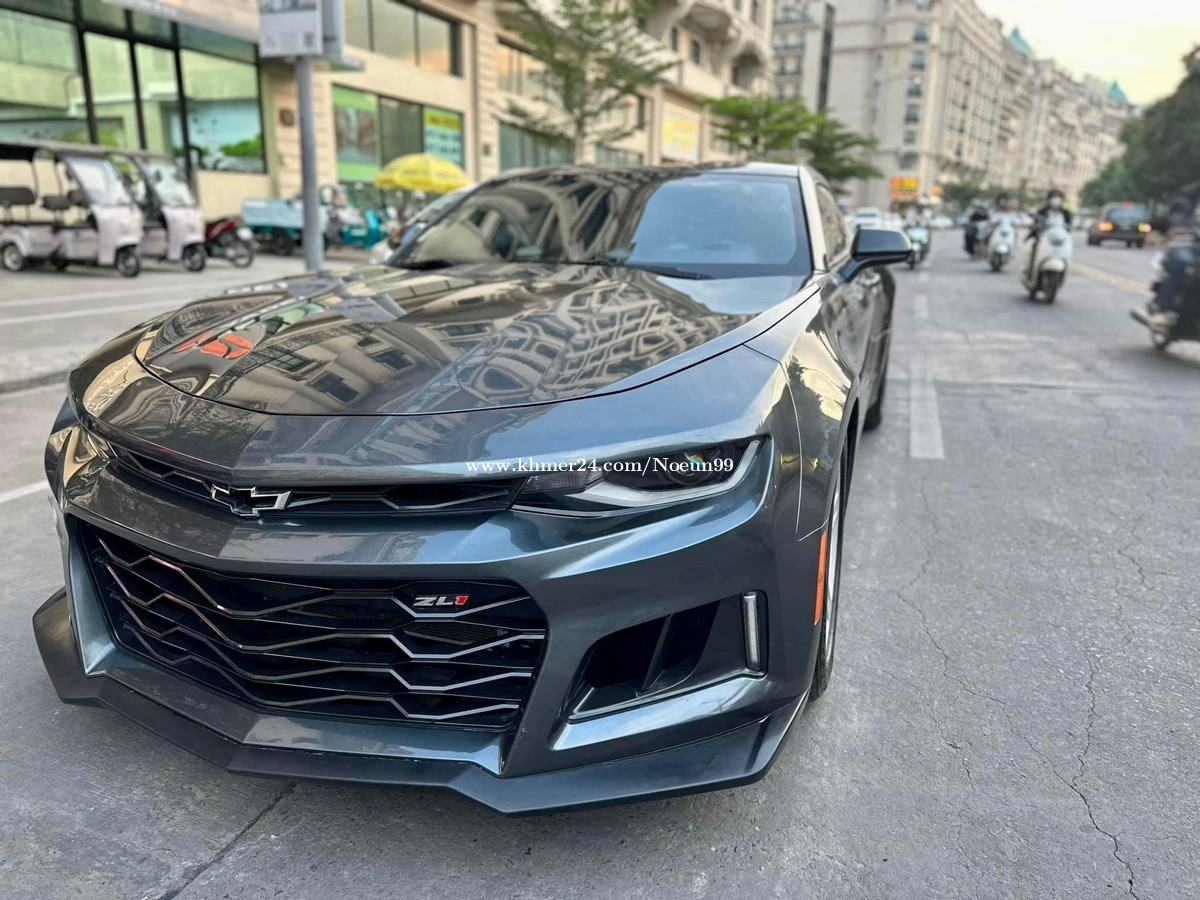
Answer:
(49, 321)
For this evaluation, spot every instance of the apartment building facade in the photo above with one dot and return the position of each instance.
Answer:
(438, 76)
(950, 98)
(802, 39)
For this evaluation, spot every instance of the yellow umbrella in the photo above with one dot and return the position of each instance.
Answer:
(421, 172)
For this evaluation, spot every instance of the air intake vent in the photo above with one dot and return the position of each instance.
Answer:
(363, 649)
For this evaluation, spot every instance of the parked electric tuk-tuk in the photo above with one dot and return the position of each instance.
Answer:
(66, 204)
(172, 222)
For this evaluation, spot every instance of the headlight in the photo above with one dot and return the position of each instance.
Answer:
(594, 488)
(244, 233)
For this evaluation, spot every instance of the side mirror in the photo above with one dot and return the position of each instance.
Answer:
(875, 247)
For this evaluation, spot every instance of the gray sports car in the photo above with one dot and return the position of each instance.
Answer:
(548, 510)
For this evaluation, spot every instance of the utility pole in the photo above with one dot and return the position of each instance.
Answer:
(314, 235)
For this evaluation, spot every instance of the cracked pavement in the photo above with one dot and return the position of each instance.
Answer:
(1014, 704)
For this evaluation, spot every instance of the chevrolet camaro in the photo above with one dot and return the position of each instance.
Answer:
(547, 510)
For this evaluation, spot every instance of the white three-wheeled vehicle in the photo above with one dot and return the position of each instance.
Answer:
(172, 223)
(66, 204)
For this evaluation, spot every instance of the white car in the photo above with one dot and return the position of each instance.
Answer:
(942, 222)
(868, 217)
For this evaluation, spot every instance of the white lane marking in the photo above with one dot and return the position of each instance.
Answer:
(18, 493)
(90, 311)
(98, 295)
(923, 276)
(924, 420)
(921, 307)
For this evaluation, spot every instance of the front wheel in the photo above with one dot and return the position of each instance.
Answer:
(830, 585)
(281, 244)
(128, 263)
(1161, 340)
(1049, 283)
(912, 260)
(12, 258)
(239, 252)
(193, 257)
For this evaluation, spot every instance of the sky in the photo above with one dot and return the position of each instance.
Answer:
(1138, 43)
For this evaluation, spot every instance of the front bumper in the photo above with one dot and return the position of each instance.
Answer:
(266, 745)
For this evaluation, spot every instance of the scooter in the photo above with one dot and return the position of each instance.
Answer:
(918, 234)
(88, 219)
(229, 237)
(1000, 244)
(1173, 314)
(1049, 259)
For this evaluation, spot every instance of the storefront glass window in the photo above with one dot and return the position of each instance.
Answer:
(160, 99)
(193, 38)
(151, 26)
(41, 88)
(400, 128)
(112, 90)
(224, 121)
(97, 12)
(519, 147)
(356, 126)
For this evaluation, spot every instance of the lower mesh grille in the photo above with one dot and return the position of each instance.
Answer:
(364, 649)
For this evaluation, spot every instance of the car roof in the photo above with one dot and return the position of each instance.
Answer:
(731, 168)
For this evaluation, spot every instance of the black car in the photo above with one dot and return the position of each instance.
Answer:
(1128, 222)
(549, 510)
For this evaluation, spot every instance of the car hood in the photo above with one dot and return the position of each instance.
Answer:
(380, 340)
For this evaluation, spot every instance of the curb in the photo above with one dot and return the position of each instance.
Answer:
(33, 381)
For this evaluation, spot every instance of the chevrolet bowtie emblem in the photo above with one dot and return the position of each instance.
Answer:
(249, 501)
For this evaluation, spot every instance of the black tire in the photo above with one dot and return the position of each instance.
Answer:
(1129, 244)
(1160, 341)
(827, 643)
(1049, 282)
(12, 258)
(1141, 244)
(995, 262)
(128, 263)
(239, 252)
(194, 258)
(281, 244)
(874, 417)
(58, 264)
(912, 260)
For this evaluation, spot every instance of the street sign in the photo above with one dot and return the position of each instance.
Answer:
(238, 18)
(290, 28)
(905, 187)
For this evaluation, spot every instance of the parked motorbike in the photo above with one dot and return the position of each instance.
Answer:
(1049, 259)
(918, 235)
(230, 238)
(1173, 313)
(1001, 242)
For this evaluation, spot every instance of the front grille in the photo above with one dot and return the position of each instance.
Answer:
(364, 649)
(406, 499)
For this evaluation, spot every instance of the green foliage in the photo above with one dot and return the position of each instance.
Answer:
(835, 151)
(756, 126)
(252, 147)
(1162, 147)
(595, 57)
(958, 195)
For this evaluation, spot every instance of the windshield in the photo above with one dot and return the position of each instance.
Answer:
(706, 224)
(1125, 216)
(100, 180)
(169, 184)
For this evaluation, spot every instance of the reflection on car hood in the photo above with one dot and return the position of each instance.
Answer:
(390, 341)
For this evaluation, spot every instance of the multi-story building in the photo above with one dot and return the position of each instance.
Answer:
(802, 37)
(437, 76)
(949, 98)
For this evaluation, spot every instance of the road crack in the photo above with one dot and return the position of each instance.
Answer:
(193, 872)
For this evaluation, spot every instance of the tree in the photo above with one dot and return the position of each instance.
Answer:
(759, 126)
(595, 58)
(959, 194)
(1113, 183)
(836, 152)
(1162, 148)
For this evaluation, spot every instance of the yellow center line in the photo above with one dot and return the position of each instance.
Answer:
(1128, 284)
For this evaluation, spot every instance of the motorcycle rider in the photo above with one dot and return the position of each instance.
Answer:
(975, 220)
(1055, 205)
(1177, 292)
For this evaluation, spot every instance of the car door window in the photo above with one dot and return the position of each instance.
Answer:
(832, 223)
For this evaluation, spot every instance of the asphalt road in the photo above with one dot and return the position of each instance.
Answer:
(1014, 707)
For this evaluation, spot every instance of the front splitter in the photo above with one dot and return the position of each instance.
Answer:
(737, 757)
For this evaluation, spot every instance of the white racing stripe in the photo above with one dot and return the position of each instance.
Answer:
(18, 493)
(924, 419)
